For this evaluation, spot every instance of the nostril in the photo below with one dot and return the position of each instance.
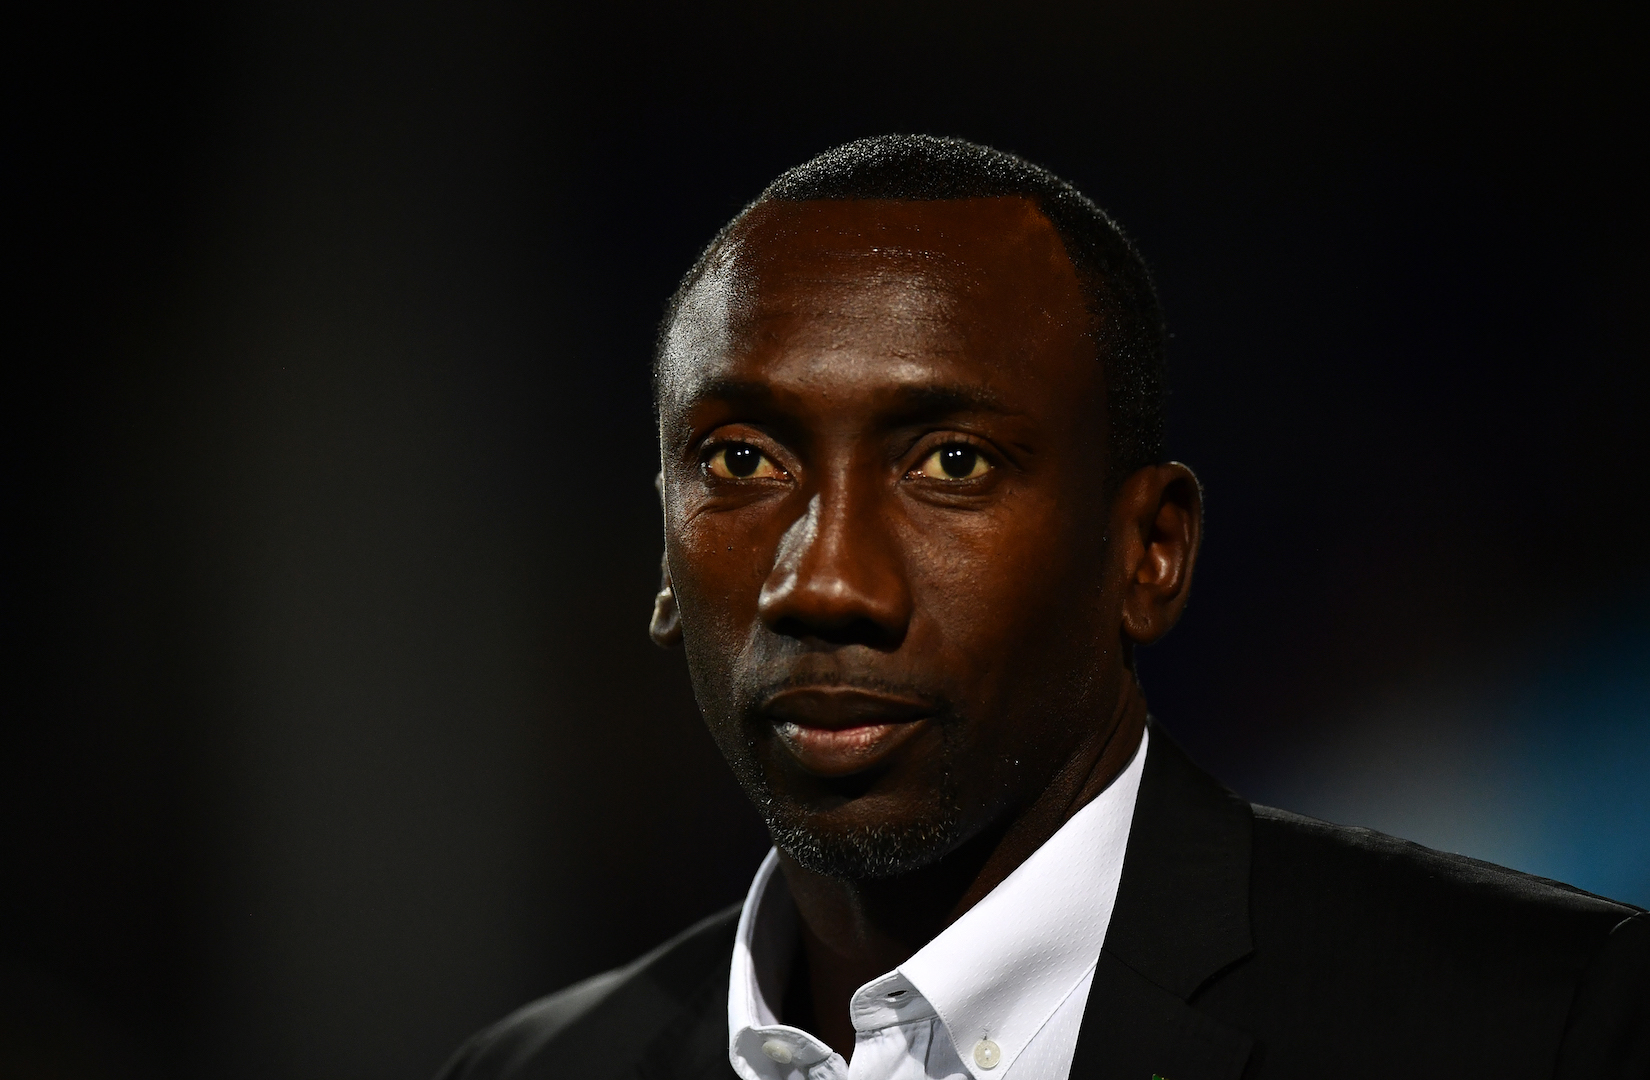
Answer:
(855, 631)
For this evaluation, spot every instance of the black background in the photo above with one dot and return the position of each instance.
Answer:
(331, 728)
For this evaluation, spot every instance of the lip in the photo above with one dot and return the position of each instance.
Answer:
(838, 731)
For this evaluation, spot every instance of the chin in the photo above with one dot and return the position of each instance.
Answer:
(854, 828)
(862, 850)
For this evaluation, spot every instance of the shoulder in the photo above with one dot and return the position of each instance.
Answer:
(1338, 870)
(606, 1024)
(1388, 952)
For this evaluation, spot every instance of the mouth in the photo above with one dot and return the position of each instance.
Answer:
(839, 730)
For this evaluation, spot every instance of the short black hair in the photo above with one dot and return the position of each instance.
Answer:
(1127, 321)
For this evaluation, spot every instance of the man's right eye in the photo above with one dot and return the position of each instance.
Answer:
(740, 461)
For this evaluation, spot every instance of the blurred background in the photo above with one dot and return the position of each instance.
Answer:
(331, 728)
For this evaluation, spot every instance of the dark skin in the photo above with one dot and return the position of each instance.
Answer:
(908, 594)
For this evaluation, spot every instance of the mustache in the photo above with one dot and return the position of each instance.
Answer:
(762, 696)
(841, 680)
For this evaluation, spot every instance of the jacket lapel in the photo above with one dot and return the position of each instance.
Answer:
(1182, 917)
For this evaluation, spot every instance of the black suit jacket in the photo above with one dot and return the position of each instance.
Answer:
(1245, 942)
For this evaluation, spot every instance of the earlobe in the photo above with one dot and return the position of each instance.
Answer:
(665, 628)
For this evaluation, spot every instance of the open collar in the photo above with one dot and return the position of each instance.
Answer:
(1002, 970)
(1181, 917)
(999, 972)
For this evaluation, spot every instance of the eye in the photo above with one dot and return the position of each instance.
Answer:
(740, 461)
(954, 461)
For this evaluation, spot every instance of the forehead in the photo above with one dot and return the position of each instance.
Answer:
(980, 289)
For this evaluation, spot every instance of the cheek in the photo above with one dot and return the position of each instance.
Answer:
(711, 630)
(1004, 589)
(718, 562)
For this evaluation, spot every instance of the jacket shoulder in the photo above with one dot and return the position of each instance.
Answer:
(1377, 956)
(607, 1024)
(1355, 865)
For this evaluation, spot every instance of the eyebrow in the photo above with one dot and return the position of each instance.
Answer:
(917, 403)
(735, 391)
(910, 403)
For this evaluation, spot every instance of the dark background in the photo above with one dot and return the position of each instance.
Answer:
(331, 730)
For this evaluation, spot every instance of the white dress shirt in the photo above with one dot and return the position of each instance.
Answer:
(998, 995)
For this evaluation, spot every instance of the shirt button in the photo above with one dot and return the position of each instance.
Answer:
(987, 1054)
(782, 1053)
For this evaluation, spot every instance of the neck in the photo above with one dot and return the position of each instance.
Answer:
(854, 931)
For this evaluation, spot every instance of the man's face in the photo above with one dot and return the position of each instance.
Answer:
(884, 465)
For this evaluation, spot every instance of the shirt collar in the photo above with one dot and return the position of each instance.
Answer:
(997, 973)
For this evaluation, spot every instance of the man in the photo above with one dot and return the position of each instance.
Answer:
(916, 521)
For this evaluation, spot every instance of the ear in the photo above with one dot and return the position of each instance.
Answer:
(665, 628)
(1157, 516)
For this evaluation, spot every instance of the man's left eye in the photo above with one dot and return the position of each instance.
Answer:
(954, 461)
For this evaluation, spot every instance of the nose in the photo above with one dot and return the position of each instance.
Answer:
(838, 576)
